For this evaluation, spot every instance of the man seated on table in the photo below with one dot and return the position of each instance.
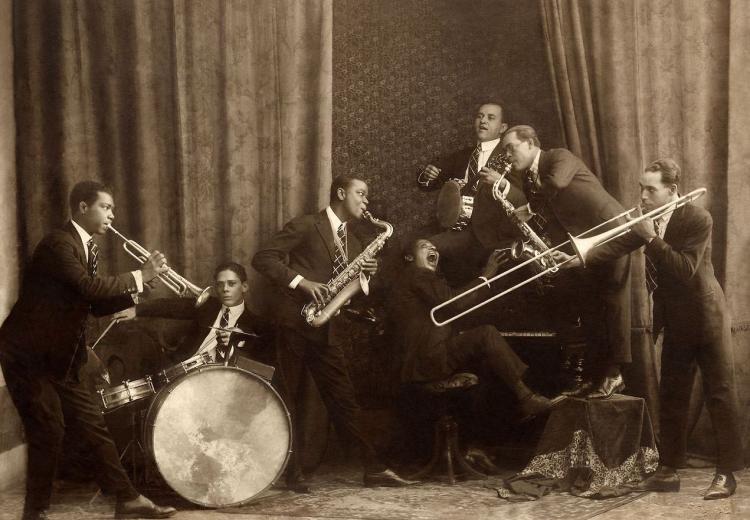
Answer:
(432, 353)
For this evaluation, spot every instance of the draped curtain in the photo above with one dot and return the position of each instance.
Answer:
(637, 80)
(211, 120)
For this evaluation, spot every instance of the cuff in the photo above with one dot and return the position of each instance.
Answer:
(486, 281)
(138, 280)
(295, 281)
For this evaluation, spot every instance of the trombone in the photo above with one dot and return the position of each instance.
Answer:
(580, 245)
(179, 285)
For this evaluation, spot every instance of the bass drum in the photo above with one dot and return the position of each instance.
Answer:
(453, 209)
(219, 436)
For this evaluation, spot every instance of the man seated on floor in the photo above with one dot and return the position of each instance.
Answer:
(431, 353)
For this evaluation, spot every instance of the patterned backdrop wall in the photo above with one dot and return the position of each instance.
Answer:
(407, 77)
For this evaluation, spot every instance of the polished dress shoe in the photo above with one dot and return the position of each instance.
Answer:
(723, 486)
(385, 478)
(608, 387)
(142, 507)
(533, 405)
(664, 480)
(579, 390)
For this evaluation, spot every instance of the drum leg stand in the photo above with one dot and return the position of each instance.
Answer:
(133, 450)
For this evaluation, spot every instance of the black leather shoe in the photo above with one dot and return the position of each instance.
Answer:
(579, 390)
(386, 478)
(723, 486)
(142, 507)
(533, 405)
(664, 480)
(608, 387)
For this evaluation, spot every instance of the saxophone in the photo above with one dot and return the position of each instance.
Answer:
(349, 282)
(532, 245)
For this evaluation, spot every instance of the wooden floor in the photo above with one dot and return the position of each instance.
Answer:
(339, 495)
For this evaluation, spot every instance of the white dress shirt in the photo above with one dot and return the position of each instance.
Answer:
(210, 342)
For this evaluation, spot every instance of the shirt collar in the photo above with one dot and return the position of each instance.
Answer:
(85, 237)
(535, 163)
(334, 220)
(488, 146)
(664, 219)
(235, 311)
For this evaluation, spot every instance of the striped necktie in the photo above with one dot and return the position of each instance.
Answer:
(93, 254)
(221, 350)
(652, 275)
(340, 261)
(474, 165)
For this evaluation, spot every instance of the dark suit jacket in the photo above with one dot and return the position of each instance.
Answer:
(422, 345)
(575, 196)
(46, 323)
(489, 223)
(304, 246)
(202, 318)
(688, 301)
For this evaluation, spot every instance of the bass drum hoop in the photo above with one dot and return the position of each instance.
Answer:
(160, 398)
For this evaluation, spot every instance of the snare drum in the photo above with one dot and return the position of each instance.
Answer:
(172, 373)
(128, 392)
(453, 209)
(219, 435)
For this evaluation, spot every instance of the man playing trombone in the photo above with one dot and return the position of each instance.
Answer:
(572, 200)
(689, 306)
(43, 346)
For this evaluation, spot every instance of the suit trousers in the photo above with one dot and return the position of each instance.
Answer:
(49, 408)
(484, 348)
(327, 365)
(678, 364)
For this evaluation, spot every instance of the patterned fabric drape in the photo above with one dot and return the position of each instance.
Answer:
(211, 120)
(638, 80)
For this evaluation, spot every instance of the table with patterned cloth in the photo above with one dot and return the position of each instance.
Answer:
(591, 448)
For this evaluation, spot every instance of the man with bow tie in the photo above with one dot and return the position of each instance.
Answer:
(43, 346)
(690, 308)
(488, 227)
(572, 200)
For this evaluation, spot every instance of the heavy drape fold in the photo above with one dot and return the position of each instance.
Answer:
(211, 120)
(637, 80)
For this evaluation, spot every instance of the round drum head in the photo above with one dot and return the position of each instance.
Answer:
(219, 436)
(449, 204)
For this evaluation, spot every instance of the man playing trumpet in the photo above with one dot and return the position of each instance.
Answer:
(43, 347)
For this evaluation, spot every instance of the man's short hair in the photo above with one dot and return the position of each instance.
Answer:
(669, 169)
(411, 246)
(231, 266)
(496, 103)
(86, 191)
(343, 181)
(525, 133)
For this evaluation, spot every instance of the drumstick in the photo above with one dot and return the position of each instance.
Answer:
(111, 323)
(238, 331)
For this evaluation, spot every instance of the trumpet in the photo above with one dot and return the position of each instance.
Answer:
(178, 284)
(581, 246)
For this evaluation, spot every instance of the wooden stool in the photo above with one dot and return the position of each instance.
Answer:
(445, 450)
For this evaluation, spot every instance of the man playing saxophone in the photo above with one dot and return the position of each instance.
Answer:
(299, 260)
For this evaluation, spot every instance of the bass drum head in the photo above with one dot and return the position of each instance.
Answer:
(219, 436)
(449, 204)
